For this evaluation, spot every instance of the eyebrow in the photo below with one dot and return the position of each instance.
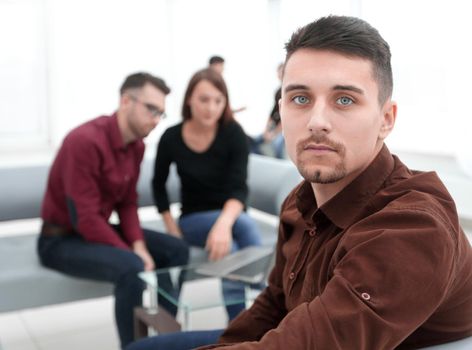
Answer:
(292, 87)
(349, 88)
(353, 88)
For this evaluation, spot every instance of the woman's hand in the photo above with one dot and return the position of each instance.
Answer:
(220, 237)
(219, 240)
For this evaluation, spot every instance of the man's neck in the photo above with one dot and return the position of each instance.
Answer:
(123, 126)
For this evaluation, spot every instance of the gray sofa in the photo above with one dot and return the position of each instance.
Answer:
(24, 283)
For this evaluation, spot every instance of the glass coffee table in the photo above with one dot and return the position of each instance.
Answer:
(154, 317)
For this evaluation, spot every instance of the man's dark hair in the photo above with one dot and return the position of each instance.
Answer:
(351, 37)
(138, 80)
(216, 59)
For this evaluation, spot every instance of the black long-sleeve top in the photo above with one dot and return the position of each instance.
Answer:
(208, 179)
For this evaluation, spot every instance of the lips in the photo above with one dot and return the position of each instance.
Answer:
(316, 147)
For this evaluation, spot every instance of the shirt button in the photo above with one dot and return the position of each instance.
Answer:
(365, 296)
(292, 275)
(312, 232)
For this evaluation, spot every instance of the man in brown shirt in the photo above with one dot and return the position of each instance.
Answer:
(370, 254)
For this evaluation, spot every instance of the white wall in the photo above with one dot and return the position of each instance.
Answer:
(431, 57)
(239, 31)
(93, 45)
(23, 75)
(62, 61)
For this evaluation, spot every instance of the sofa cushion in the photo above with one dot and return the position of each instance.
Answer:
(24, 283)
(22, 190)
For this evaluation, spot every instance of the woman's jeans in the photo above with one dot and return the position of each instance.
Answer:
(195, 228)
(74, 256)
(277, 146)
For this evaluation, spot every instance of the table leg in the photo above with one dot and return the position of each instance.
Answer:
(162, 322)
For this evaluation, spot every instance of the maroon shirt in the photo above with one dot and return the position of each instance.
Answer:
(93, 174)
(384, 264)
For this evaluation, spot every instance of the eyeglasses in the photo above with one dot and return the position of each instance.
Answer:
(155, 111)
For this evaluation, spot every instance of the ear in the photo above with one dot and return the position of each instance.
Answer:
(389, 115)
(124, 100)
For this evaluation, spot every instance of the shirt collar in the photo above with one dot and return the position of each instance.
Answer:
(344, 208)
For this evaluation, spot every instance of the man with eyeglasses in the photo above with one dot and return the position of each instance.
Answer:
(95, 172)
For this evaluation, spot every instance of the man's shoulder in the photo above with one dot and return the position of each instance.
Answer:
(413, 188)
(94, 130)
(419, 194)
(101, 134)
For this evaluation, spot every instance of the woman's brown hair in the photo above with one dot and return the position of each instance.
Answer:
(218, 82)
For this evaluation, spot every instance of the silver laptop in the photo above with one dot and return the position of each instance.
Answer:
(251, 265)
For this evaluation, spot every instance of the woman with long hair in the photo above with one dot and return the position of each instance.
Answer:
(210, 151)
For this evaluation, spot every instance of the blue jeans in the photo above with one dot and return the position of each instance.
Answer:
(177, 341)
(277, 145)
(74, 256)
(195, 228)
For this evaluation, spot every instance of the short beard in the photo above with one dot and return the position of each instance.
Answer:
(137, 133)
(316, 176)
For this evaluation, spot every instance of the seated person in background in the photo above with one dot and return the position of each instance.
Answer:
(210, 151)
(271, 142)
(95, 172)
(370, 254)
(217, 64)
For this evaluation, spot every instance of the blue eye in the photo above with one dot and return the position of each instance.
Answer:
(344, 101)
(300, 100)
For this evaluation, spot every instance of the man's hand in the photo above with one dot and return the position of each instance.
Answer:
(219, 240)
(139, 248)
(268, 136)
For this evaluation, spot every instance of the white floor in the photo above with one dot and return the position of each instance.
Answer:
(90, 324)
(78, 325)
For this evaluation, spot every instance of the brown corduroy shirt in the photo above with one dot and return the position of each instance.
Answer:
(382, 265)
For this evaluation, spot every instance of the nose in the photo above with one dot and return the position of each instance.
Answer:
(212, 107)
(319, 120)
(155, 121)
